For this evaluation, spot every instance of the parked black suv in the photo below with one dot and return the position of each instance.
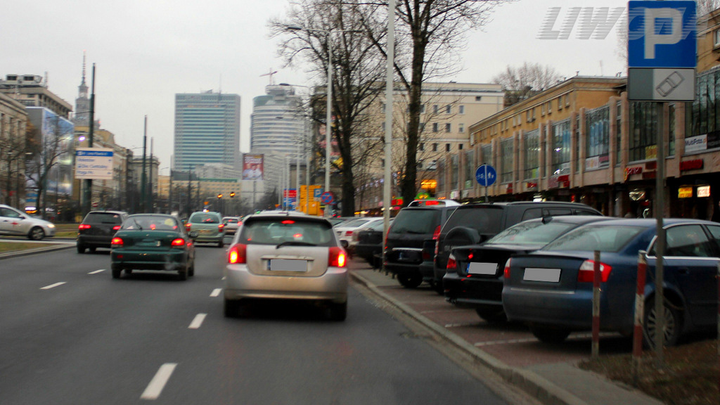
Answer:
(471, 224)
(98, 229)
(404, 244)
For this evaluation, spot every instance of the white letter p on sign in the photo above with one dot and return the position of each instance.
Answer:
(652, 38)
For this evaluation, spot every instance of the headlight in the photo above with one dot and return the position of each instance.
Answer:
(51, 226)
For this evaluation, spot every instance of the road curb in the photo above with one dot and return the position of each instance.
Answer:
(27, 252)
(530, 382)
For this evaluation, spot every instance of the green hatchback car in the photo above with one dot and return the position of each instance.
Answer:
(152, 242)
(209, 227)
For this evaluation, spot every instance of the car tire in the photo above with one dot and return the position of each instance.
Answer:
(92, 249)
(548, 334)
(116, 271)
(221, 243)
(231, 308)
(437, 286)
(128, 272)
(183, 274)
(80, 249)
(191, 269)
(36, 233)
(338, 312)
(673, 324)
(492, 315)
(410, 281)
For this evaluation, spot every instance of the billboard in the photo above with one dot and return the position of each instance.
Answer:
(252, 167)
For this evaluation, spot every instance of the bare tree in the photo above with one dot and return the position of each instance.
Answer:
(706, 6)
(430, 36)
(357, 65)
(13, 149)
(522, 82)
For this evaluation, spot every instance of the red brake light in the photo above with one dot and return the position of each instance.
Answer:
(436, 234)
(431, 203)
(287, 222)
(179, 242)
(586, 271)
(115, 228)
(188, 226)
(451, 263)
(116, 242)
(337, 257)
(84, 226)
(348, 233)
(220, 227)
(506, 271)
(236, 255)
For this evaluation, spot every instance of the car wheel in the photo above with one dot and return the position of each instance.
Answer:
(672, 324)
(36, 233)
(81, 249)
(191, 270)
(410, 281)
(183, 274)
(338, 312)
(492, 315)
(221, 243)
(116, 271)
(92, 249)
(128, 271)
(231, 308)
(437, 286)
(550, 335)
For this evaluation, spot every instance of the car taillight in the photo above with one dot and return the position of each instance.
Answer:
(506, 271)
(436, 234)
(336, 257)
(116, 242)
(437, 247)
(179, 242)
(237, 254)
(84, 226)
(188, 226)
(220, 227)
(587, 269)
(451, 263)
(348, 233)
(116, 228)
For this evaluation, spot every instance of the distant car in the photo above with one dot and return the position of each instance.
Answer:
(354, 239)
(471, 224)
(98, 228)
(231, 224)
(152, 242)
(552, 289)
(370, 243)
(345, 229)
(16, 223)
(474, 276)
(209, 227)
(290, 256)
(433, 203)
(406, 237)
(339, 220)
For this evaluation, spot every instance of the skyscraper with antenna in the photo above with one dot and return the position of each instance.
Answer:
(82, 102)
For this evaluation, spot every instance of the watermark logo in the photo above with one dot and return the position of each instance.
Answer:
(591, 22)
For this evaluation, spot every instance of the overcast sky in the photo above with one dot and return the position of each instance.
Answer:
(146, 51)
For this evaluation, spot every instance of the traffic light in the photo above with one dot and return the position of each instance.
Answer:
(219, 195)
(232, 194)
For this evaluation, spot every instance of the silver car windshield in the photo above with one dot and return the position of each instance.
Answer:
(287, 232)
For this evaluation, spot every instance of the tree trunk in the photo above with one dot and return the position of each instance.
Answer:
(409, 180)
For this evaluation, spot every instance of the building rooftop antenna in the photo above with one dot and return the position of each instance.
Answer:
(270, 73)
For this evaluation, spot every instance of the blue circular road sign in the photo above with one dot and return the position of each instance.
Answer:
(327, 197)
(486, 175)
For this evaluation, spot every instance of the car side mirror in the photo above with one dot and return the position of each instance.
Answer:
(193, 234)
(22, 217)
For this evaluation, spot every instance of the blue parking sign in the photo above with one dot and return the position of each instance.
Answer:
(662, 34)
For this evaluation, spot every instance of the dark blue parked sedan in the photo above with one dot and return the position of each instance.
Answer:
(551, 289)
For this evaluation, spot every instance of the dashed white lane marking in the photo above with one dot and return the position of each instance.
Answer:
(97, 271)
(154, 389)
(47, 287)
(195, 324)
(223, 278)
(216, 292)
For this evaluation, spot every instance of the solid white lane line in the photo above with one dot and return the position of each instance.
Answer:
(154, 389)
(97, 271)
(199, 318)
(216, 292)
(47, 287)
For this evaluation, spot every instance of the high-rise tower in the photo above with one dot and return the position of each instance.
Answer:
(82, 102)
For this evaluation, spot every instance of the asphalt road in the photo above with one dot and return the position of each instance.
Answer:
(70, 334)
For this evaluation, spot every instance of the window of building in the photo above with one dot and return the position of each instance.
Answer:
(460, 147)
(448, 109)
(567, 100)
(447, 147)
(434, 147)
(597, 138)
(461, 109)
(461, 127)
(455, 172)
(643, 130)
(448, 127)
(436, 127)
(506, 160)
(542, 110)
(478, 98)
(716, 37)
(422, 146)
(422, 109)
(549, 107)
(469, 169)
(532, 150)
(435, 109)
(560, 103)
(422, 126)
(561, 147)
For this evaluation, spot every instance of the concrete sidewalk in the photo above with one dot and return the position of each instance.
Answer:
(556, 384)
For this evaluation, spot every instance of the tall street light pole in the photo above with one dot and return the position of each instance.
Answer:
(143, 179)
(388, 115)
(91, 128)
(328, 120)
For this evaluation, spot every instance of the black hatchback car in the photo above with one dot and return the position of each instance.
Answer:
(98, 229)
(404, 243)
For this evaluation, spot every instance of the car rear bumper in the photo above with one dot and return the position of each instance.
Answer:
(571, 309)
(209, 238)
(168, 260)
(240, 283)
(94, 241)
(472, 291)
(402, 268)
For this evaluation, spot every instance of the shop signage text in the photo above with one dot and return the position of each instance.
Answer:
(695, 164)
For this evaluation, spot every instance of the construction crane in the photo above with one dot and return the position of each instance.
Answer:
(270, 73)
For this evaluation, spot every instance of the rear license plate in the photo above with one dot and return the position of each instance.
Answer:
(287, 265)
(205, 231)
(488, 269)
(543, 275)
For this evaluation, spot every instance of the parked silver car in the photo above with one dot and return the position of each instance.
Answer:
(14, 222)
(286, 256)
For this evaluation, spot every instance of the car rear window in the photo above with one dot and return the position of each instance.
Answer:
(287, 230)
(531, 233)
(231, 220)
(103, 218)
(416, 221)
(151, 223)
(204, 219)
(484, 219)
(354, 223)
(608, 239)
